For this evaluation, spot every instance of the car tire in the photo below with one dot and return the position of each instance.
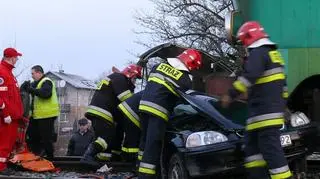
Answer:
(177, 169)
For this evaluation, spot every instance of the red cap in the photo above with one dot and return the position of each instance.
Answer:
(11, 52)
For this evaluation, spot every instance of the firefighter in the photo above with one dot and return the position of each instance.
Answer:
(130, 110)
(11, 107)
(105, 116)
(264, 80)
(158, 101)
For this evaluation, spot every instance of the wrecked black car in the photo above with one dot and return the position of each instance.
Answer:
(204, 139)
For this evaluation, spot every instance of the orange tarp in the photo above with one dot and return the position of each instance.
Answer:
(26, 159)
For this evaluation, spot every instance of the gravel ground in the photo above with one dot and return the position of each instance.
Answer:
(71, 175)
(75, 175)
(313, 173)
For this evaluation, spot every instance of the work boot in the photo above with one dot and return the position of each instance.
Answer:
(48, 157)
(145, 176)
(130, 157)
(117, 156)
(89, 158)
(257, 172)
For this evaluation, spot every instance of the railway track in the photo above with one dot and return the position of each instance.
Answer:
(70, 167)
(68, 163)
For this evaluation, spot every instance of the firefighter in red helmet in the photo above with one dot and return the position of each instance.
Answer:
(106, 118)
(264, 75)
(157, 103)
(11, 107)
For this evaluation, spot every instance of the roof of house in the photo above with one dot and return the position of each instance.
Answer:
(75, 80)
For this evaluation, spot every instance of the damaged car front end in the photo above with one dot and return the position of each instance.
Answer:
(204, 139)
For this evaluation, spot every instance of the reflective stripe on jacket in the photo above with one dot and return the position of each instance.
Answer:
(264, 80)
(110, 92)
(160, 97)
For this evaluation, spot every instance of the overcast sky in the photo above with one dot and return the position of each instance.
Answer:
(86, 36)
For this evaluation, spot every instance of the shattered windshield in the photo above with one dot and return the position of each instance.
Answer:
(236, 112)
(182, 109)
(213, 101)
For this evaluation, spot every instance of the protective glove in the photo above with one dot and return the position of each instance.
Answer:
(7, 120)
(3, 106)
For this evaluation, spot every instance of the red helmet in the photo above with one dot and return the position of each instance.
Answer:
(250, 32)
(133, 71)
(191, 58)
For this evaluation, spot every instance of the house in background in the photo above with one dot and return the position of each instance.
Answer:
(74, 95)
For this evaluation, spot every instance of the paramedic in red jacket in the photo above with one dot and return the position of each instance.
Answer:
(11, 108)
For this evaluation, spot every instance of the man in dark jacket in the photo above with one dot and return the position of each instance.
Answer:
(80, 140)
(45, 109)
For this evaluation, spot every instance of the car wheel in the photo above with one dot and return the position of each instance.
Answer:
(177, 168)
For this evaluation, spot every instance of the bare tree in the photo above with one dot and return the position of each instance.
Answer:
(19, 73)
(193, 23)
(102, 76)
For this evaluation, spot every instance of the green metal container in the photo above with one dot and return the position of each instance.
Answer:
(294, 25)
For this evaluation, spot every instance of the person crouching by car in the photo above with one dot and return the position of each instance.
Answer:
(80, 140)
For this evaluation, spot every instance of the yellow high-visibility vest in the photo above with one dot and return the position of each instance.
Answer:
(46, 108)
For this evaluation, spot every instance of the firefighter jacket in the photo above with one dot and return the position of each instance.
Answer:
(264, 80)
(130, 108)
(159, 97)
(10, 99)
(110, 92)
(45, 99)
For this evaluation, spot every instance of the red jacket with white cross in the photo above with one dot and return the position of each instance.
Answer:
(10, 99)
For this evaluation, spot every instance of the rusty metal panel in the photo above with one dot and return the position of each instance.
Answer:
(218, 84)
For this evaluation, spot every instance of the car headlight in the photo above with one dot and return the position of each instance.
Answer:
(205, 138)
(299, 119)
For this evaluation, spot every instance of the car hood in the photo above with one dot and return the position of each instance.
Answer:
(200, 102)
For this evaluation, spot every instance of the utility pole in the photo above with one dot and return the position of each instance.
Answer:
(15, 40)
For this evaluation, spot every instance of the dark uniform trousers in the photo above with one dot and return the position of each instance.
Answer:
(104, 130)
(263, 148)
(41, 136)
(132, 122)
(107, 121)
(157, 103)
(151, 145)
(117, 140)
(264, 75)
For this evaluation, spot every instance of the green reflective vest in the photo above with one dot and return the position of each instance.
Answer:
(46, 108)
